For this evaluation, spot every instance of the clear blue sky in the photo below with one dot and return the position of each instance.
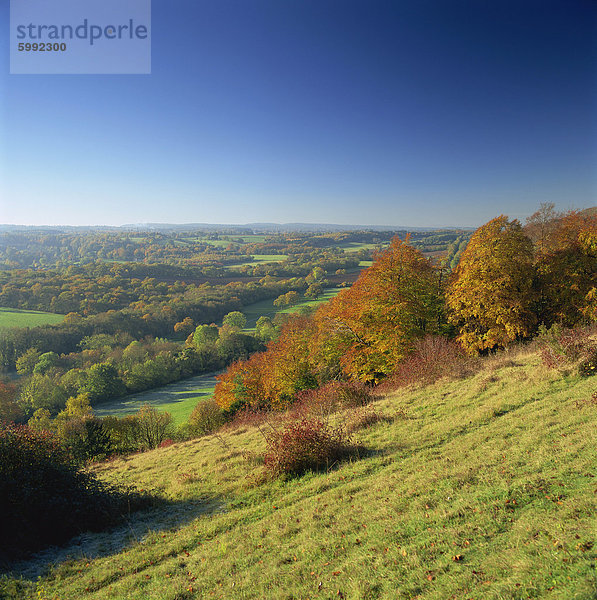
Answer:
(410, 112)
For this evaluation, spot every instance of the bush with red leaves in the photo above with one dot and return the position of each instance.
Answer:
(331, 397)
(305, 445)
(433, 357)
(561, 348)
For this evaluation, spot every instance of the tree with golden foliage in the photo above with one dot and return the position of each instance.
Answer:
(490, 293)
(567, 270)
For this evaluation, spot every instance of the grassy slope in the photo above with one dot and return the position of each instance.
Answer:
(13, 317)
(483, 489)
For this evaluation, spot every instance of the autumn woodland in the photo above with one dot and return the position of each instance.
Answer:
(315, 399)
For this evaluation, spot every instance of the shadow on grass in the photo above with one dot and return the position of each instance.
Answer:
(138, 528)
(170, 397)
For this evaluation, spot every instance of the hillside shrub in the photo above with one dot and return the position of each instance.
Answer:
(45, 498)
(153, 427)
(124, 433)
(433, 357)
(206, 417)
(86, 438)
(561, 348)
(331, 397)
(305, 444)
(588, 366)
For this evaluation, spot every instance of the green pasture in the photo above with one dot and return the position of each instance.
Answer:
(13, 317)
(266, 308)
(355, 246)
(179, 399)
(265, 258)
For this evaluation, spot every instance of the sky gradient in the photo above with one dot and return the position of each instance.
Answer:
(406, 113)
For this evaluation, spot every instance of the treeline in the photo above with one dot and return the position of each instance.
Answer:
(98, 287)
(206, 253)
(509, 280)
(300, 265)
(153, 315)
(48, 248)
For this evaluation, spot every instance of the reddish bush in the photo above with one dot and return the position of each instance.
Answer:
(307, 444)
(562, 347)
(166, 443)
(331, 397)
(433, 357)
(248, 417)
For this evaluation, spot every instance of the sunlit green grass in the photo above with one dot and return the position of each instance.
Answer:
(13, 317)
(179, 399)
(258, 259)
(480, 488)
(267, 308)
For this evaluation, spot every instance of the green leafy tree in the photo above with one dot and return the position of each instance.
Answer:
(27, 361)
(154, 426)
(314, 290)
(103, 382)
(265, 330)
(235, 319)
(46, 361)
(135, 352)
(205, 335)
(41, 420)
(41, 391)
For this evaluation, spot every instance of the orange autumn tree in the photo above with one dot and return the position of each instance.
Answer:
(361, 334)
(367, 329)
(270, 379)
(490, 293)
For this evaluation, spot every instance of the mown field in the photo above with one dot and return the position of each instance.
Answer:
(479, 488)
(12, 317)
(179, 399)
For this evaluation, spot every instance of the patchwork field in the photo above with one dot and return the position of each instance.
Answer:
(12, 317)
